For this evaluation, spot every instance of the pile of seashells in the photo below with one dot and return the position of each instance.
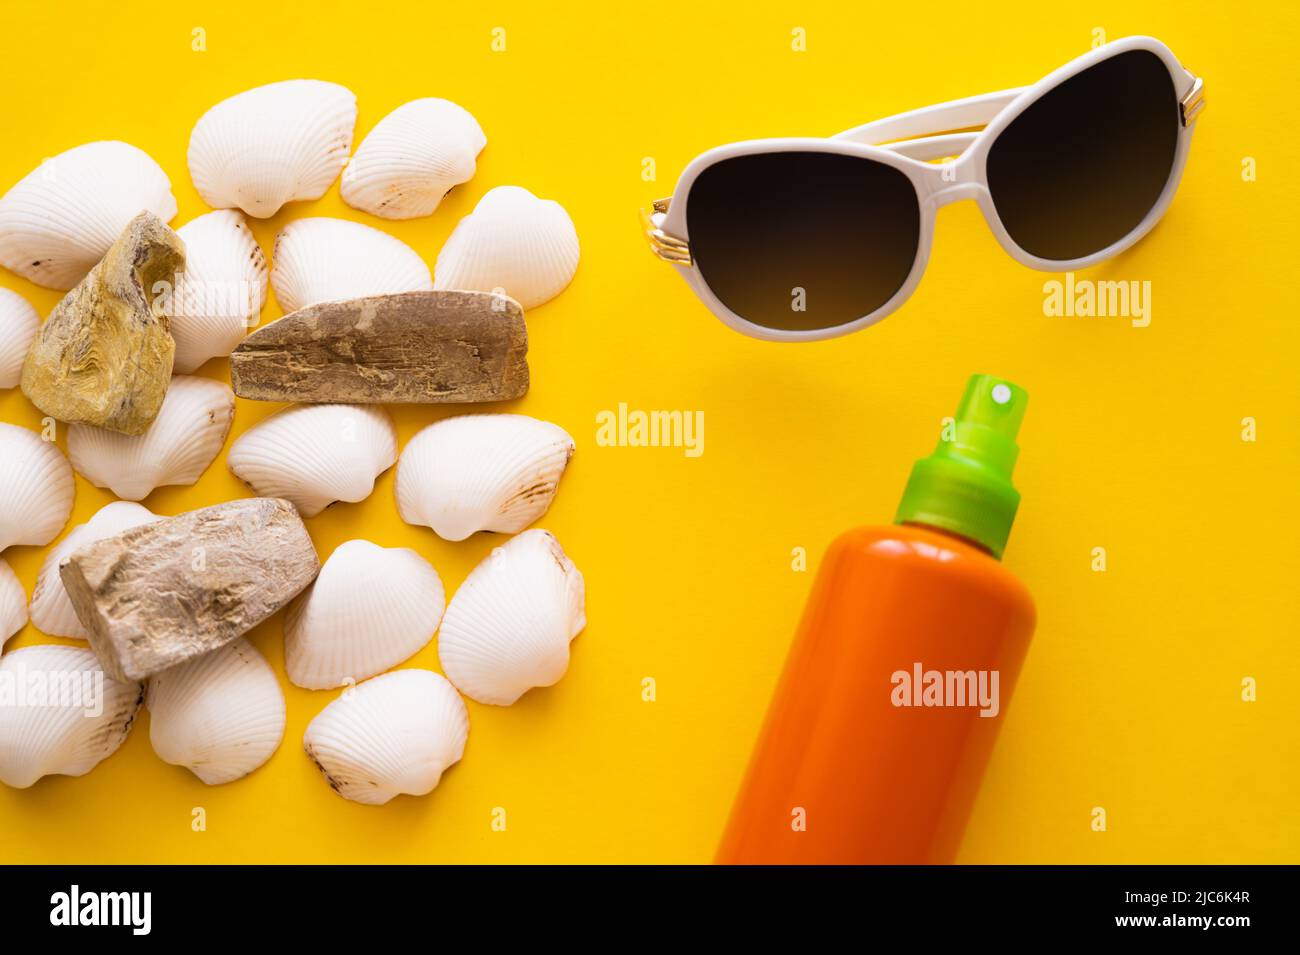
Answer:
(508, 627)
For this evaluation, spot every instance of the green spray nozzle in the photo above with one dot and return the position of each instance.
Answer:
(964, 487)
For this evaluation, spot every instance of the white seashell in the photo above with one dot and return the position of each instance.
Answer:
(412, 158)
(508, 627)
(13, 603)
(18, 325)
(60, 219)
(273, 144)
(220, 295)
(481, 472)
(314, 455)
(36, 488)
(176, 448)
(511, 242)
(370, 608)
(330, 260)
(52, 611)
(396, 733)
(67, 715)
(220, 715)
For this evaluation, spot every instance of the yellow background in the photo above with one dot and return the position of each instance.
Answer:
(1130, 699)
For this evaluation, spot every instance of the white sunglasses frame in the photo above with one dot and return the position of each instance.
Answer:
(911, 142)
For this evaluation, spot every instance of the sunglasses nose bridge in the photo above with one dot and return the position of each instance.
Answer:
(955, 192)
(951, 182)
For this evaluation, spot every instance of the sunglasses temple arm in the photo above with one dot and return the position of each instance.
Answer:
(931, 121)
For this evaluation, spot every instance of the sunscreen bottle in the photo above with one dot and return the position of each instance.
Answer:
(900, 674)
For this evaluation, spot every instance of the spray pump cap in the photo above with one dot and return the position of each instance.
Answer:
(965, 486)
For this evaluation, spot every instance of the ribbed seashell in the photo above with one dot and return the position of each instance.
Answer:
(481, 472)
(36, 488)
(220, 295)
(314, 455)
(18, 325)
(370, 608)
(508, 627)
(52, 611)
(60, 219)
(13, 603)
(176, 448)
(67, 716)
(412, 158)
(273, 144)
(512, 242)
(395, 733)
(330, 260)
(220, 715)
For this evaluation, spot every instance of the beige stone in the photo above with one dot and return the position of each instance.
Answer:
(411, 347)
(104, 356)
(161, 593)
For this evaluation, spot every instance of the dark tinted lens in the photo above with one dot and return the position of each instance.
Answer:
(803, 240)
(1082, 166)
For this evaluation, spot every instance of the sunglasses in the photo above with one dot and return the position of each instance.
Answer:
(802, 239)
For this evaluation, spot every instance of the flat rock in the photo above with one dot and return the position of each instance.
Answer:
(159, 594)
(408, 348)
(104, 356)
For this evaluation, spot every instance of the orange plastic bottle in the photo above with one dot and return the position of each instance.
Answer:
(899, 677)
